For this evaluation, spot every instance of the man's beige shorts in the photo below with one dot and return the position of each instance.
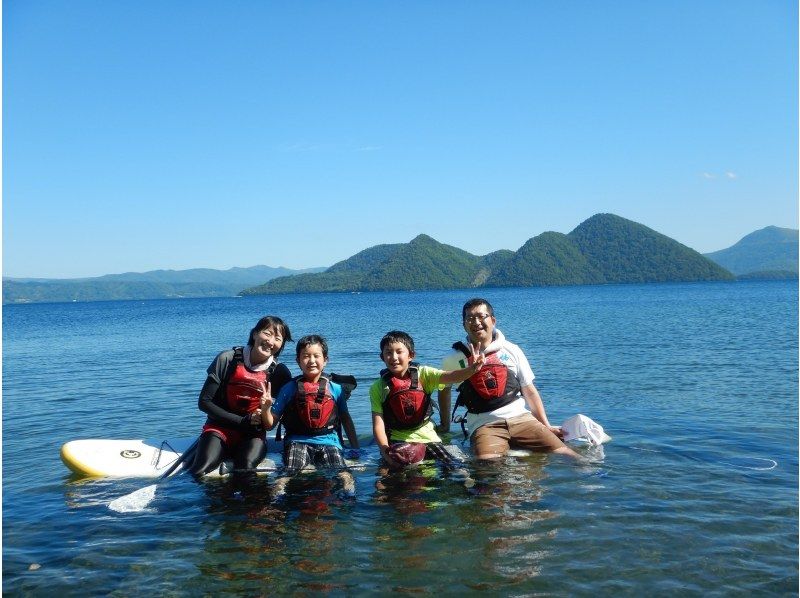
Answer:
(520, 432)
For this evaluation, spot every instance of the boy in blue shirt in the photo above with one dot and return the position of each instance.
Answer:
(313, 411)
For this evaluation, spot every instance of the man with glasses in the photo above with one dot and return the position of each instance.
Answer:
(504, 408)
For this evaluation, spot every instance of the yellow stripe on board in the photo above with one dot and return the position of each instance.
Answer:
(71, 461)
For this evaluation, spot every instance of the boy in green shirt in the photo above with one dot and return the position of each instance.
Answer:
(400, 400)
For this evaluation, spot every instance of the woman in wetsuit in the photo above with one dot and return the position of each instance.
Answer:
(231, 396)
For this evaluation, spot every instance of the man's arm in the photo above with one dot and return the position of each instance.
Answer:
(475, 360)
(444, 410)
(534, 401)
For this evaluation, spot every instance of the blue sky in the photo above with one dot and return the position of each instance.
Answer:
(141, 135)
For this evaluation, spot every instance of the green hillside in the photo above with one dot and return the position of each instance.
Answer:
(550, 259)
(365, 260)
(424, 264)
(623, 251)
(421, 264)
(768, 249)
(603, 249)
(489, 264)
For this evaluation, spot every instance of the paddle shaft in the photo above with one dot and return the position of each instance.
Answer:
(189, 452)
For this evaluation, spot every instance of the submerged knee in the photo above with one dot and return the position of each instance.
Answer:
(488, 456)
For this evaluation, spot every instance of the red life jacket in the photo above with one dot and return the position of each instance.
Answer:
(407, 405)
(243, 388)
(312, 411)
(491, 387)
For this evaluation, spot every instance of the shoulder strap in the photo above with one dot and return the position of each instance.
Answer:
(323, 386)
(459, 346)
(413, 369)
(238, 357)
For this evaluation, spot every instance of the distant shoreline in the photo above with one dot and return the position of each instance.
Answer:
(470, 290)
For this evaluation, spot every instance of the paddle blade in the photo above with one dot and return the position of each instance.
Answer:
(135, 501)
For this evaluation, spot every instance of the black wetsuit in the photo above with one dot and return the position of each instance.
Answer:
(228, 434)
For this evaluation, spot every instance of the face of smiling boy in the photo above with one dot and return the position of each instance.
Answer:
(396, 356)
(312, 361)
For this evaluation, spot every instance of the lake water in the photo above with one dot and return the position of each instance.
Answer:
(696, 494)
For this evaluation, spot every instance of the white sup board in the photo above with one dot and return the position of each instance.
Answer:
(96, 457)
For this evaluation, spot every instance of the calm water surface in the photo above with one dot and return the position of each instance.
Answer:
(696, 494)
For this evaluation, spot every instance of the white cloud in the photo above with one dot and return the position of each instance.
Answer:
(728, 175)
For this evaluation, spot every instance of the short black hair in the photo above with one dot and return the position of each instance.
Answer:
(312, 339)
(271, 322)
(475, 303)
(397, 336)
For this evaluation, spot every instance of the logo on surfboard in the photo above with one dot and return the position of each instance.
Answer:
(129, 454)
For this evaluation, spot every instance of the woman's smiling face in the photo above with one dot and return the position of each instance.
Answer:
(266, 343)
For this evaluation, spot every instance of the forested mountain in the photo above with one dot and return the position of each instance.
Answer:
(770, 252)
(603, 249)
(623, 251)
(422, 263)
(549, 259)
(156, 284)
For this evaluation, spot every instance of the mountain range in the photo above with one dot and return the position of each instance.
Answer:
(604, 249)
(155, 284)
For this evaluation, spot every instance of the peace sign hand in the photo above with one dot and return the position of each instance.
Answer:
(476, 357)
(266, 396)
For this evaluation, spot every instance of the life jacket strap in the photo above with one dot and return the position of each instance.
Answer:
(238, 357)
(413, 370)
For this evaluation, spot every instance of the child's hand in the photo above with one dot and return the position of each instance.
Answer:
(385, 454)
(354, 453)
(266, 396)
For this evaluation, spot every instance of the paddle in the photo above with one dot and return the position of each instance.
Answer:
(139, 499)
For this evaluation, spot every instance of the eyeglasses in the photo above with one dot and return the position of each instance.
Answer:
(477, 318)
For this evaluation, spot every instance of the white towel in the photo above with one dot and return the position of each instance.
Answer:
(580, 427)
